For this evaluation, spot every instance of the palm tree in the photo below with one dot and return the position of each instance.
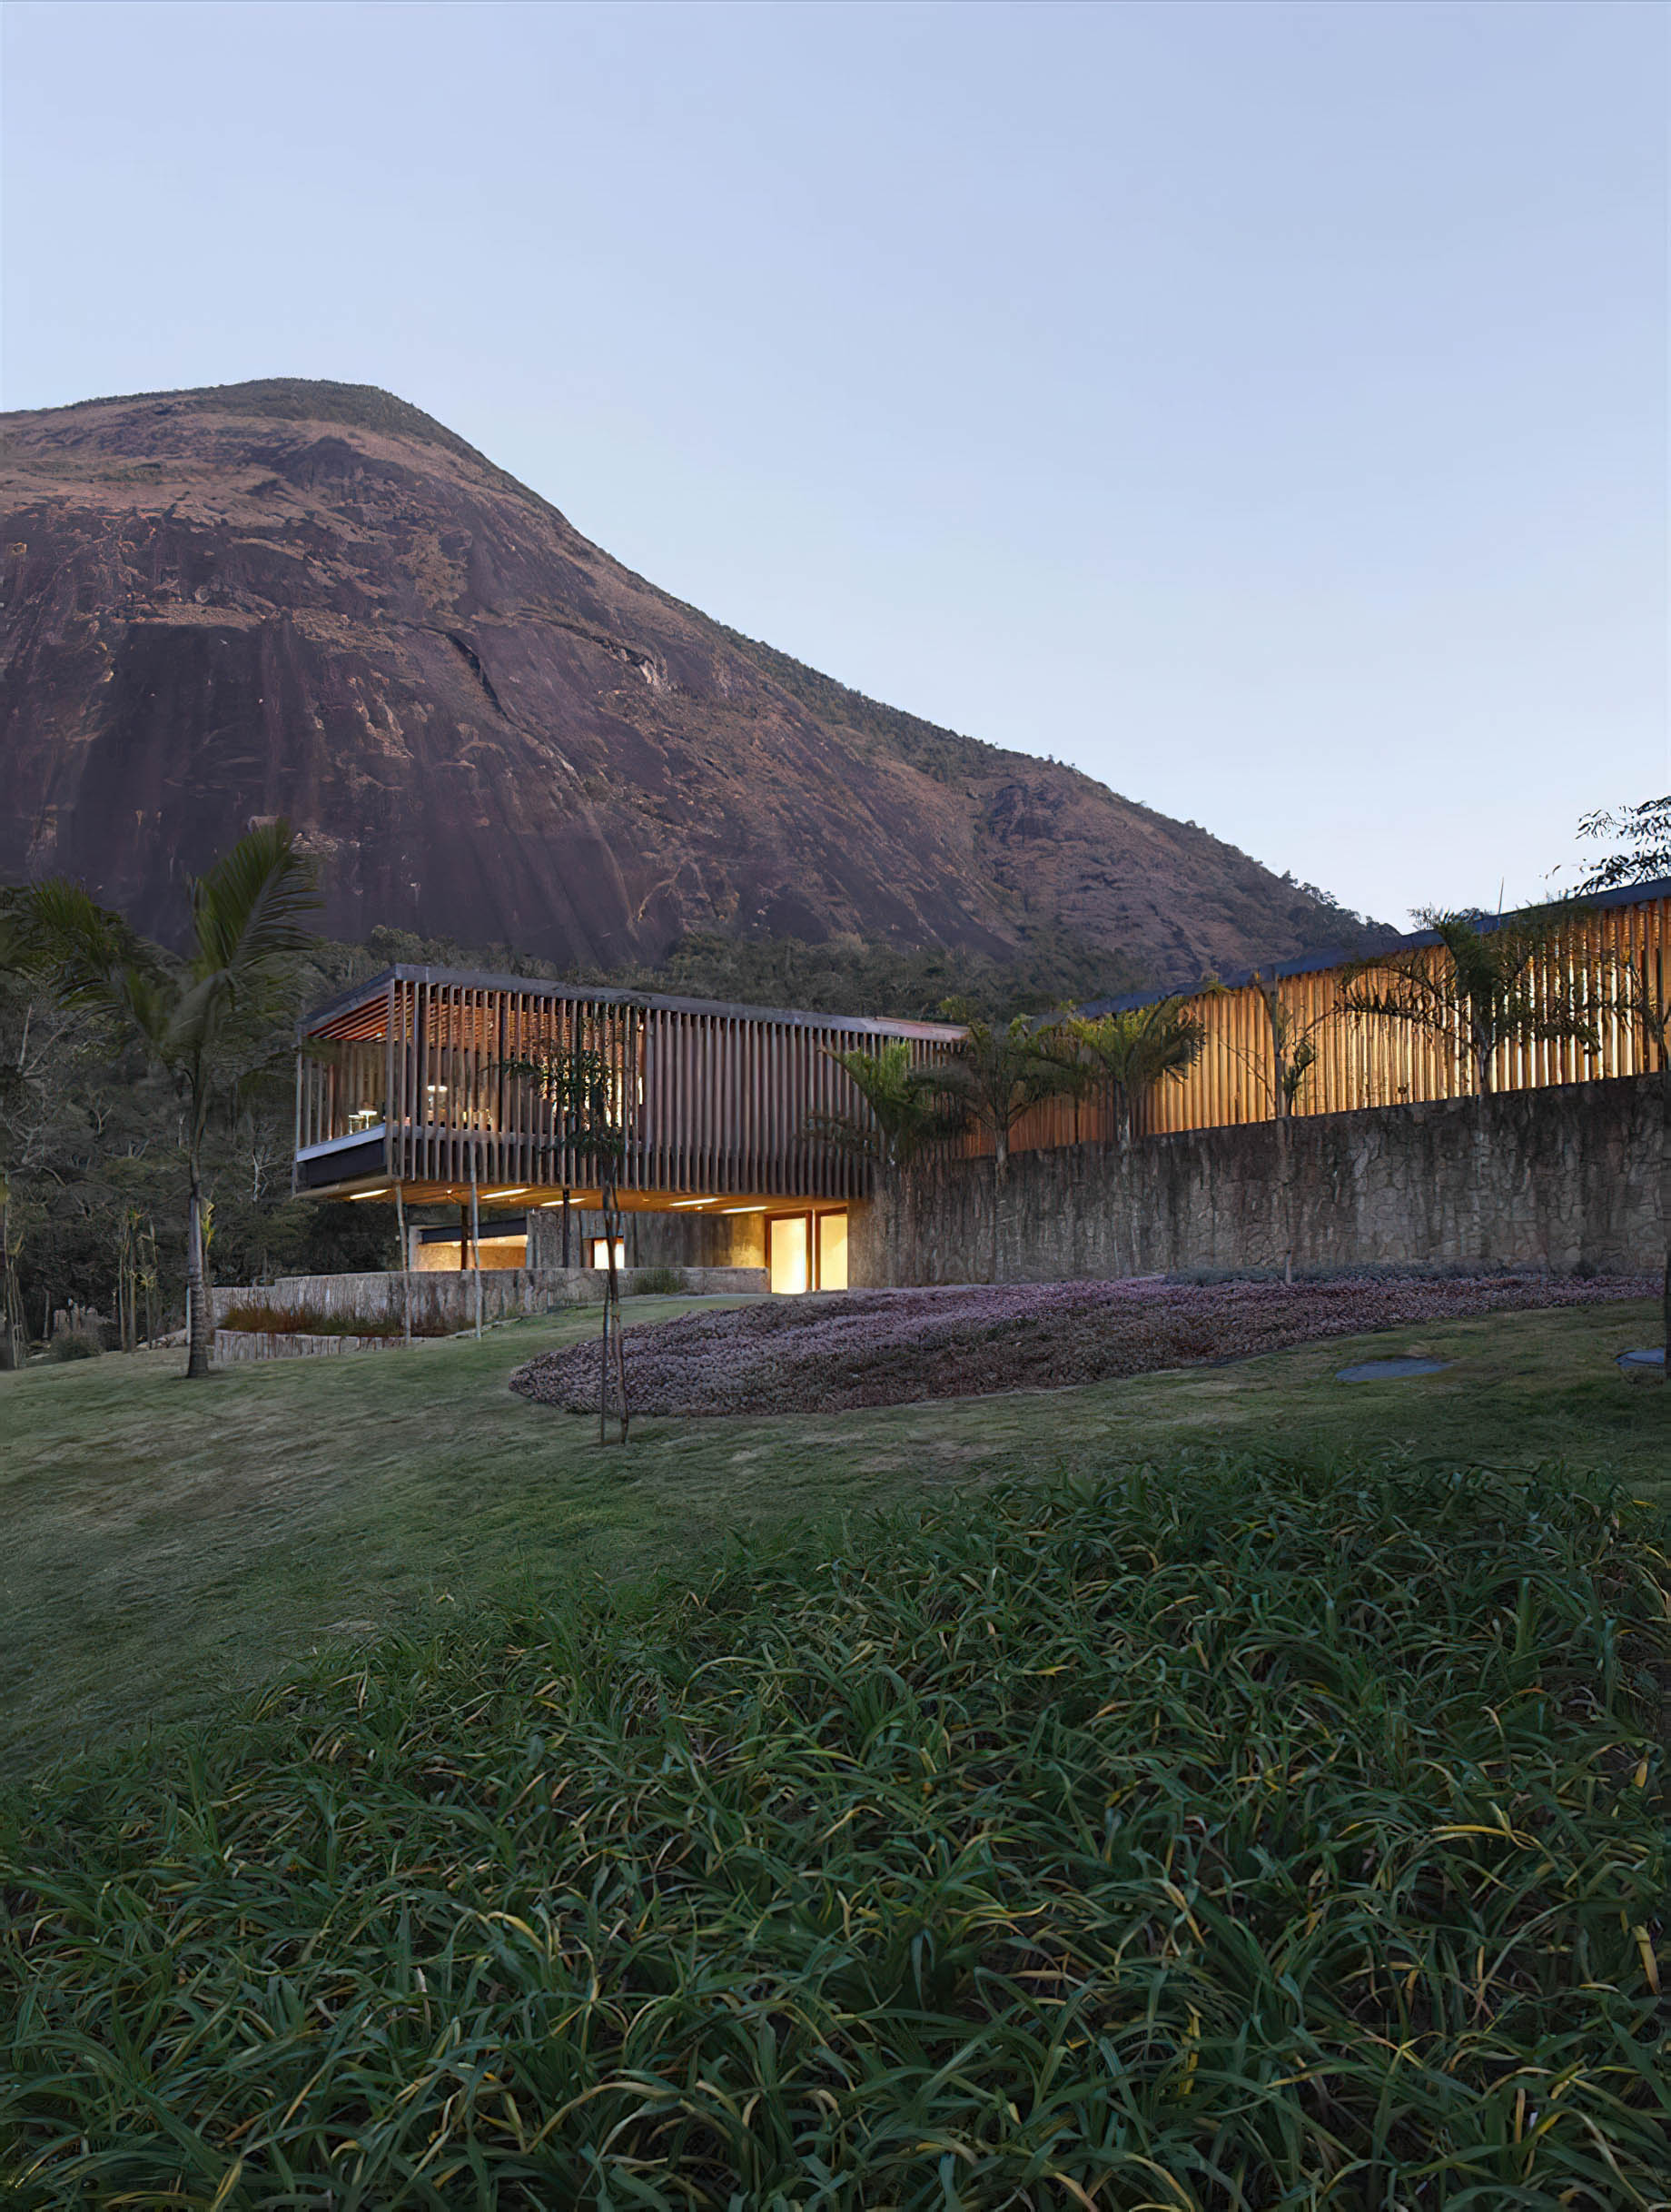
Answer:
(905, 1114)
(996, 1075)
(1482, 986)
(1647, 853)
(1479, 988)
(1134, 1051)
(211, 1021)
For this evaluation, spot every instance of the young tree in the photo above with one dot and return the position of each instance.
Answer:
(211, 1021)
(1134, 1051)
(582, 1083)
(1481, 986)
(905, 1114)
(996, 1075)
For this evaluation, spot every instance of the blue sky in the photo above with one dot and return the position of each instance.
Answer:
(1263, 407)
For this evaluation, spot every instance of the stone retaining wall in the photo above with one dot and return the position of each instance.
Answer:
(1564, 1178)
(232, 1344)
(443, 1304)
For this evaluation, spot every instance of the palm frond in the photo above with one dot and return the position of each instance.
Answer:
(94, 957)
(248, 911)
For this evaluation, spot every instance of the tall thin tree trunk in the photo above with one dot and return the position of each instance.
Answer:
(406, 1264)
(1000, 1162)
(1285, 1192)
(611, 1323)
(199, 1319)
(1664, 1202)
(476, 1247)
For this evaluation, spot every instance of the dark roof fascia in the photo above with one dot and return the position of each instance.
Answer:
(1312, 964)
(475, 979)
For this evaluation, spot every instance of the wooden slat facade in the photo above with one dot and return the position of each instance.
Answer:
(716, 1100)
(1367, 1061)
(713, 1100)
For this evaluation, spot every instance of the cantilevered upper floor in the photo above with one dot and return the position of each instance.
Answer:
(418, 1079)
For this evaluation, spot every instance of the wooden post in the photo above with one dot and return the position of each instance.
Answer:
(566, 1224)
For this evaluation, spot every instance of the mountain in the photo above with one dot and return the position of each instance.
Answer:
(312, 599)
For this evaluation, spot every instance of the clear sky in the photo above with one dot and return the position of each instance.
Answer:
(1262, 406)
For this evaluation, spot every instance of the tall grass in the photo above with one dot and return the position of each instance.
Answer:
(1253, 1836)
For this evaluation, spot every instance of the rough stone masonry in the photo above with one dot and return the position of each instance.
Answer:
(1564, 1179)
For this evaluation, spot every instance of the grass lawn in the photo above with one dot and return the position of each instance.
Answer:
(165, 1544)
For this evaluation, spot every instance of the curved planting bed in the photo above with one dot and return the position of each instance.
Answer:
(882, 1347)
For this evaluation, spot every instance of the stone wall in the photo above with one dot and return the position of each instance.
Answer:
(685, 1238)
(441, 1303)
(231, 1345)
(1562, 1178)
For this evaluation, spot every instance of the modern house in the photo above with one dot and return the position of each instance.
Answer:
(423, 1083)
(424, 1086)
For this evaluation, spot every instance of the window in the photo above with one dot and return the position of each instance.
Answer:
(600, 1252)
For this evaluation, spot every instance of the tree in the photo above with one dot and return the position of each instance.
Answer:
(1134, 1051)
(905, 1114)
(996, 1075)
(48, 1053)
(211, 1022)
(1647, 852)
(1644, 1000)
(580, 1078)
(1483, 986)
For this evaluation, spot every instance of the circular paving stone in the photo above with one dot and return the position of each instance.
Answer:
(1389, 1370)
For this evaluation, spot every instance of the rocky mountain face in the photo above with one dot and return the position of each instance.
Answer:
(314, 600)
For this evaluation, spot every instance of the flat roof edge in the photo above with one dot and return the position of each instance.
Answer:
(595, 994)
(1317, 963)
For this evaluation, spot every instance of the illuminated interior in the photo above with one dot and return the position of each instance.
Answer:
(443, 1256)
(832, 1251)
(807, 1252)
(787, 1253)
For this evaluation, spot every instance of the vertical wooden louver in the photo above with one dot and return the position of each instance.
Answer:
(718, 1100)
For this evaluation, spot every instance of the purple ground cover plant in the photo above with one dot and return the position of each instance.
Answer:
(857, 1348)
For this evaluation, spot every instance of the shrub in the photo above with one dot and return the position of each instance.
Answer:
(285, 1321)
(75, 1344)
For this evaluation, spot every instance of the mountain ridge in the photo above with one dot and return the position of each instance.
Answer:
(316, 601)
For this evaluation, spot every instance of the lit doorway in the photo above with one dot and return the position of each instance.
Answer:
(807, 1252)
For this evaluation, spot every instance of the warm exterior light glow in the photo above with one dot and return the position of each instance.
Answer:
(384, 1191)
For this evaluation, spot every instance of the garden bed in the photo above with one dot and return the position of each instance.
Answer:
(860, 1348)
